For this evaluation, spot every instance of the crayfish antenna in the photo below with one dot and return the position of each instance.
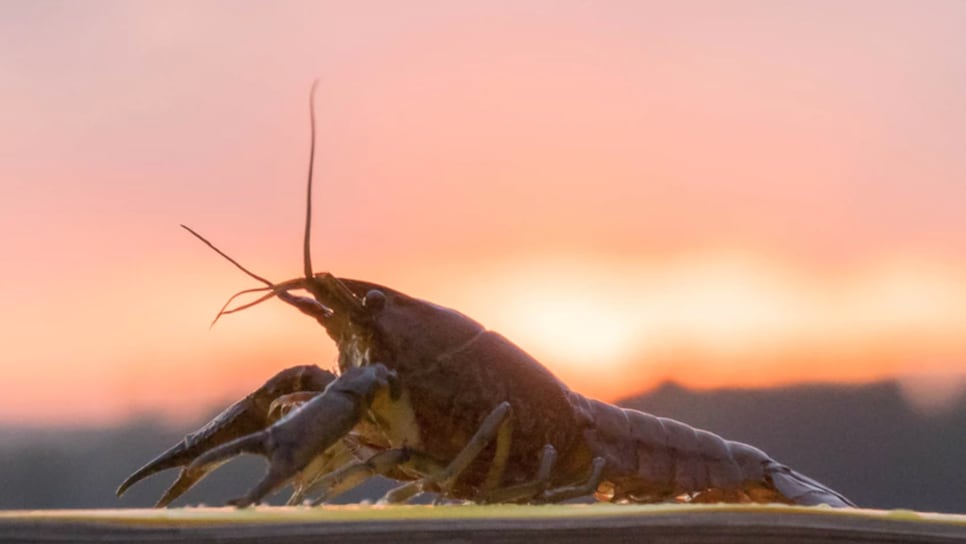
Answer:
(316, 309)
(269, 286)
(306, 240)
(342, 291)
(225, 310)
(238, 265)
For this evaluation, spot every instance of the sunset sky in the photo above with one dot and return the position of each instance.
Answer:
(720, 193)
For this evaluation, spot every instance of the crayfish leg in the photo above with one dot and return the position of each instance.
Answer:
(344, 452)
(586, 487)
(352, 475)
(397, 463)
(504, 439)
(443, 480)
(717, 494)
(527, 490)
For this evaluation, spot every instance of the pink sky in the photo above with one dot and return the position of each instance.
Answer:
(741, 193)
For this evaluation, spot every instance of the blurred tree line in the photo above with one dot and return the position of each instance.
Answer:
(864, 441)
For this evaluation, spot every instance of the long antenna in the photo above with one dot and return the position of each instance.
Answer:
(269, 284)
(306, 251)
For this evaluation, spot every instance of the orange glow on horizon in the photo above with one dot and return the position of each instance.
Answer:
(609, 327)
(614, 327)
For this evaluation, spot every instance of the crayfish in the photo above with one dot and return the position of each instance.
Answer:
(428, 397)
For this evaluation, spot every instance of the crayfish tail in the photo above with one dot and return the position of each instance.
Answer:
(803, 490)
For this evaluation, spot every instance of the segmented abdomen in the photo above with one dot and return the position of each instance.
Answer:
(650, 458)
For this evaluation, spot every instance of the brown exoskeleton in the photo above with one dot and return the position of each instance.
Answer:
(429, 397)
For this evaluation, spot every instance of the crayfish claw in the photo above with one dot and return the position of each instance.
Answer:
(256, 443)
(293, 443)
(272, 481)
(186, 479)
(175, 456)
(281, 406)
(244, 418)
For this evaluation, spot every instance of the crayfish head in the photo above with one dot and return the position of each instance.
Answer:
(404, 326)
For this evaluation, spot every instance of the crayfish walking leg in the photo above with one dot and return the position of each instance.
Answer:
(391, 463)
(444, 479)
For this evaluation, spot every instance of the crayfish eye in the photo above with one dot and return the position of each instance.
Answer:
(375, 300)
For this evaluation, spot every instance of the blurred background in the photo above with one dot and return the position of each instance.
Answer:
(746, 215)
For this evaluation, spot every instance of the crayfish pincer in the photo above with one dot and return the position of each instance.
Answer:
(428, 397)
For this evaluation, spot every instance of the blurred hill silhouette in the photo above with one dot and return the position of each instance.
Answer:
(864, 441)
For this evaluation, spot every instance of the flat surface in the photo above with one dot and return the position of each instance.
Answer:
(509, 524)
